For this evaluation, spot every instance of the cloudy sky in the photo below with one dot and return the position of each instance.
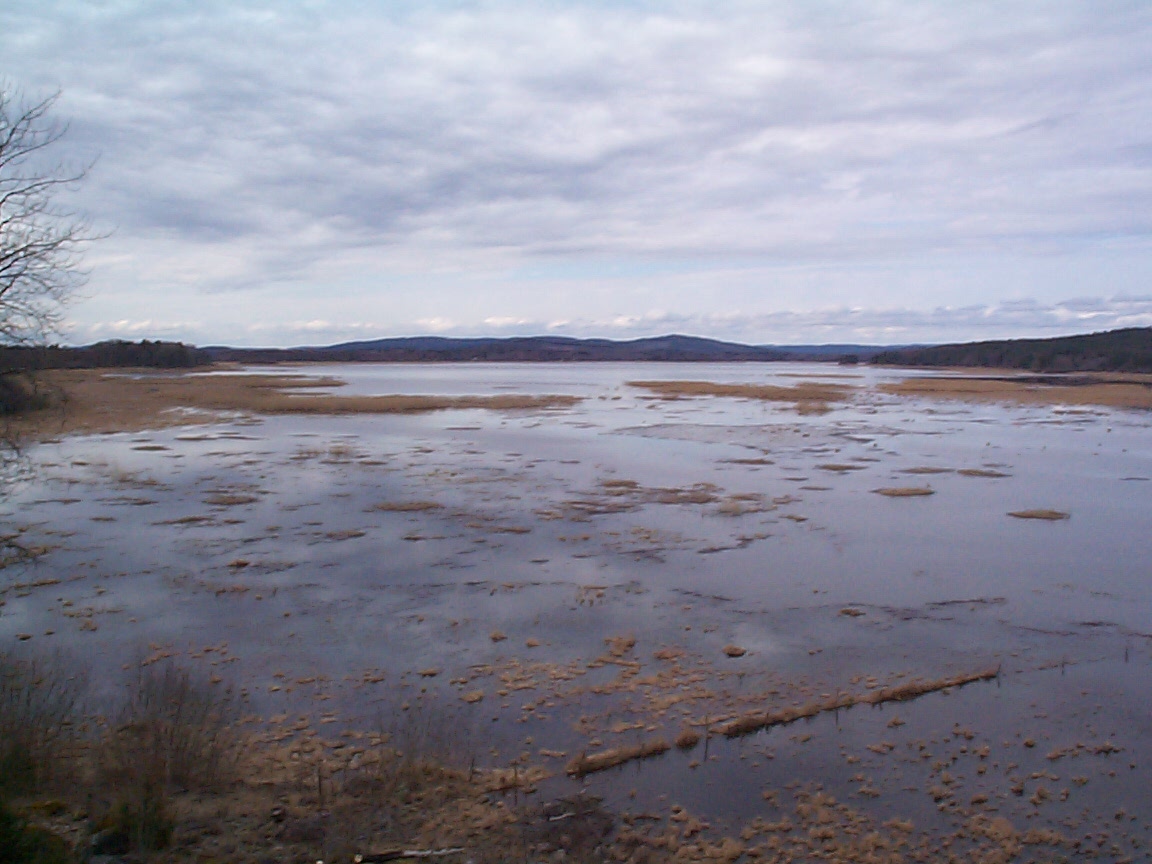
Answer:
(877, 171)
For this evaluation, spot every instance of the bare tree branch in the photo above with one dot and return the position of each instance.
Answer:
(40, 242)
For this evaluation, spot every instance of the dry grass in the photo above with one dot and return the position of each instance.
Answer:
(1050, 515)
(904, 491)
(1129, 391)
(605, 759)
(93, 401)
(407, 506)
(810, 396)
(899, 693)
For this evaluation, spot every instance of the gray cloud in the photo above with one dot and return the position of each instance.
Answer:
(243, 144)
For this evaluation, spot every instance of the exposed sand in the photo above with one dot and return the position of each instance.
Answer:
(1117, 391)
(91, 401)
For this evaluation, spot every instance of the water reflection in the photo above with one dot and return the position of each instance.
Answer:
(353, 553)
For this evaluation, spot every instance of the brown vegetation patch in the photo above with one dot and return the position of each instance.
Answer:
(904, 491)
(230, 499)
(605, 759)
(1129, 391)
(810, 397)
(406, 506)
(1050, 515)
(756, 721)
(981, 472)
(88, 401)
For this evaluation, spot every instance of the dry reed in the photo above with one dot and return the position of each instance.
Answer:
(898, 693)
(605, 759)
(1050, 515)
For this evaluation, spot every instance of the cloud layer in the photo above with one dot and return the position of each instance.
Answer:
(579, 161)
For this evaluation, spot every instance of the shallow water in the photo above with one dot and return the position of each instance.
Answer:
(264, 540)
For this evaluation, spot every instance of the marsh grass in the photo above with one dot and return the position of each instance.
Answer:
(1049, 515)
(406, 506)
(1083, 389)
(90, 400)
(810, 397)
(981, 472)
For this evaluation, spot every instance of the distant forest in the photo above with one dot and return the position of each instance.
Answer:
(114, 353)
(1128, 350)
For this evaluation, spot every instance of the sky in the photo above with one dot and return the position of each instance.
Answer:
(291, 173)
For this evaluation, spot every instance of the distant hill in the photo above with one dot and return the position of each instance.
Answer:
(674, 348)
(1128, 350)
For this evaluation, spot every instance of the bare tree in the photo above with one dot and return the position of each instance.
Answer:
(40, 241)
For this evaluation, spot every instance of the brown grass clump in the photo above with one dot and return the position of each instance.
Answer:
(406, 506)
(904, 491)
(734, 650)
(585, 764)
(899, 693)
(230, 499)
(620, 646)
(812, 396)
(981, 472)
(1051, 515)
(95, 401)
(687, 739)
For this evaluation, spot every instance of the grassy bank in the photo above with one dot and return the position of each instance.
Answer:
(174, 771)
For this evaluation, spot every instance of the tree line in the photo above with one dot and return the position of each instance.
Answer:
(1127, 350)
(111, 354)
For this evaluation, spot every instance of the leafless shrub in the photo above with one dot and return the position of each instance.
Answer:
(173, 731)
(39, 722)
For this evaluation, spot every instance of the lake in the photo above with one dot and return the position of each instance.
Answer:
(540, 584)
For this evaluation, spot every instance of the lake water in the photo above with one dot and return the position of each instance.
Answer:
(321, 563)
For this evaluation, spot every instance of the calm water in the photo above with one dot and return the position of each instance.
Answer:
(358, 551)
